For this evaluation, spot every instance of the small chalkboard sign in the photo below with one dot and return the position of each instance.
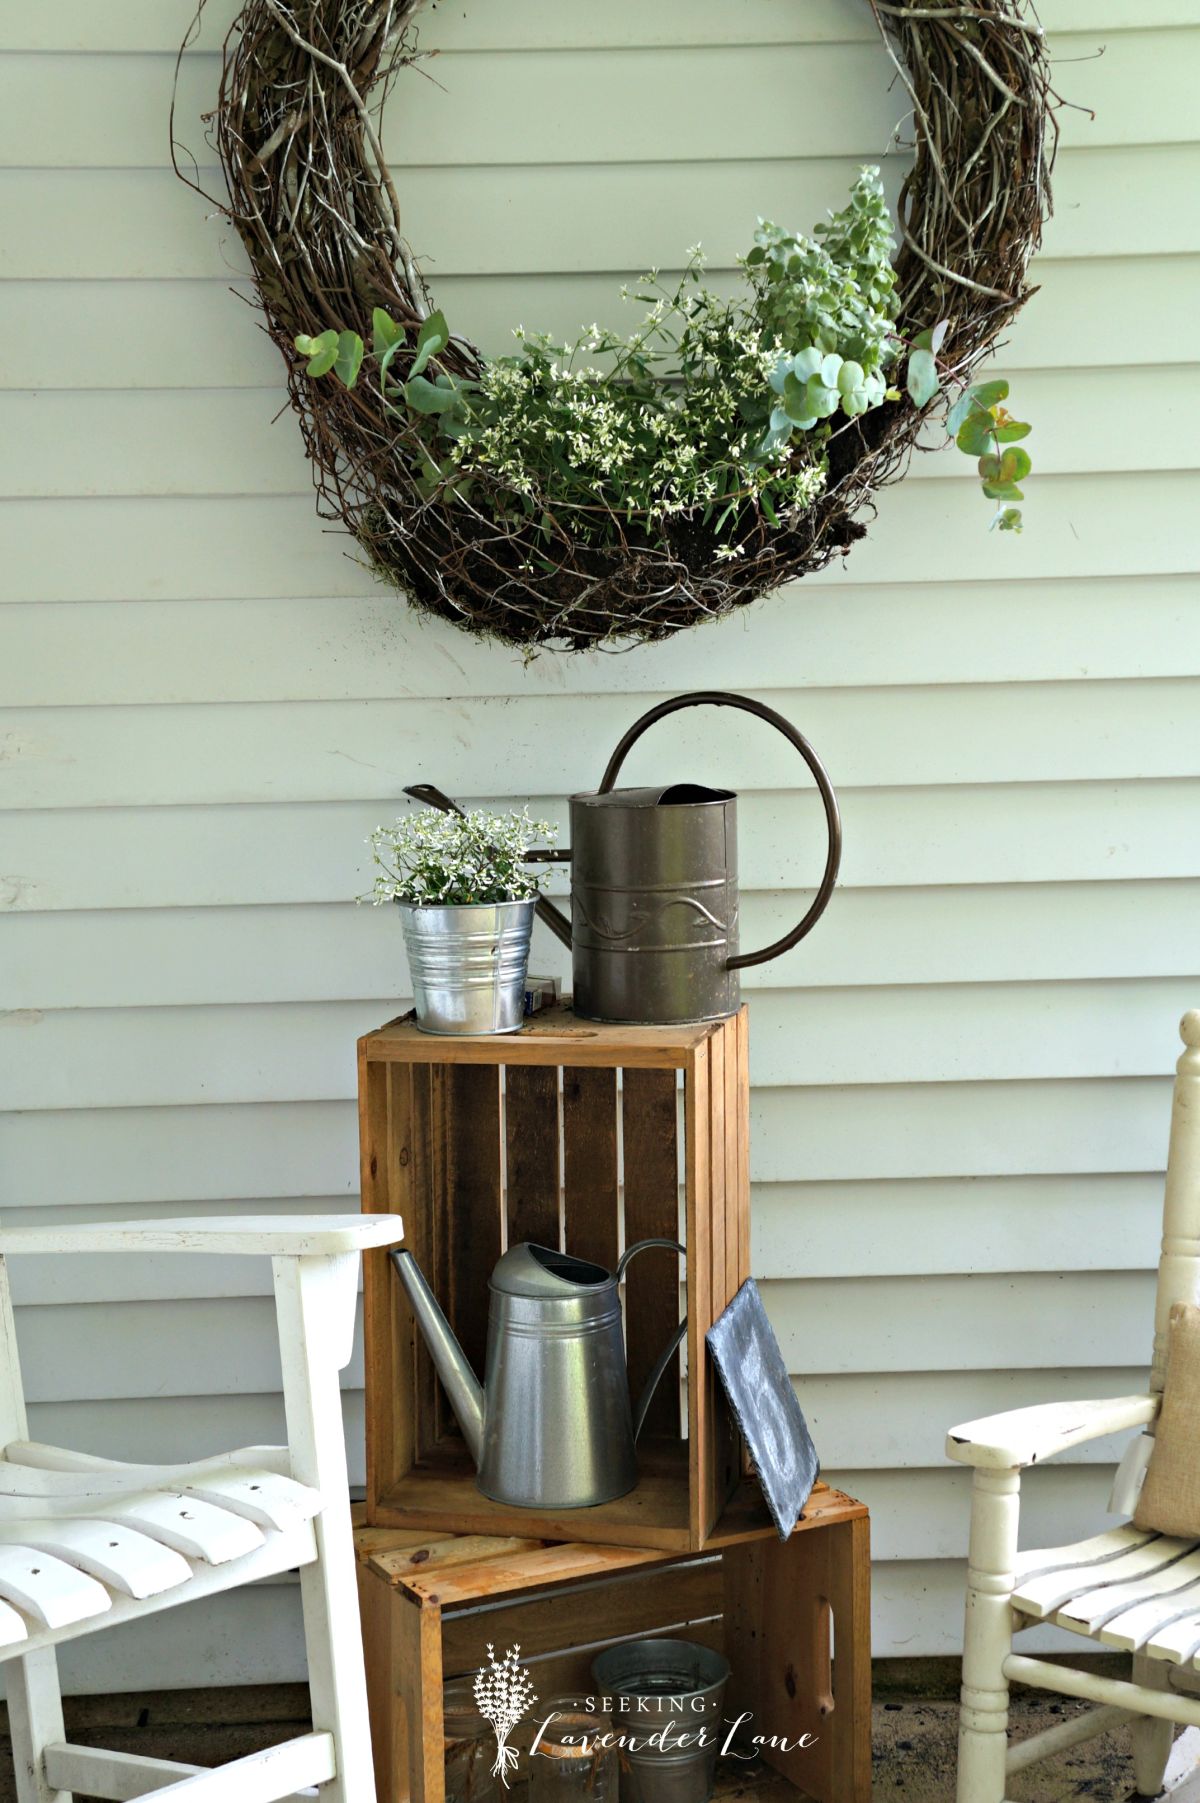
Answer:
(755, 1380)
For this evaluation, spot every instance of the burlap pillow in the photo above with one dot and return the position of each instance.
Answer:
(1170, 1499)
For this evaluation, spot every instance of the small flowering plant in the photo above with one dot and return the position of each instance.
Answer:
(431, 859)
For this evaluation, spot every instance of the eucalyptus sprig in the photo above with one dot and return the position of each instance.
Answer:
(980, 426)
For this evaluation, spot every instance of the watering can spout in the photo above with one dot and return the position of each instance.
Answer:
(458, 1380)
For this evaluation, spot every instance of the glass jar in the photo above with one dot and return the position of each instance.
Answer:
(571, 1763)
(469, 1747)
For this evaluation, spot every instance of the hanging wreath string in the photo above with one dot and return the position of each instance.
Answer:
(310, 194)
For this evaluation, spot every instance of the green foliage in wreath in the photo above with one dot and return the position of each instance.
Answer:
(711, 409)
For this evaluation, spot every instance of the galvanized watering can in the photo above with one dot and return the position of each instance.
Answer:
(551, 1425)
(654, 886)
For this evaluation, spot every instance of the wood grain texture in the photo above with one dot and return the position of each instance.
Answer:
(532, 1147)
(471, 1199)
(591, 1177)
(650, 1150)
(765, 1605)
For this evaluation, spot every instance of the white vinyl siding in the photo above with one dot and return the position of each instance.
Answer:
(961, 1083)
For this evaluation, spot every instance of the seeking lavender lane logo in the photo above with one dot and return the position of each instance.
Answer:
(504, 1696)
(731, 1738)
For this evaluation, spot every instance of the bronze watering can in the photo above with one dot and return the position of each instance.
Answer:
(654, 886)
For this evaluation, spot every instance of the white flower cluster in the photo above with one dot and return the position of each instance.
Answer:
(503, 1693)
(630, 439)
(440, 860)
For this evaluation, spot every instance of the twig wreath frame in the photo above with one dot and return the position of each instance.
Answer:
(309, 192)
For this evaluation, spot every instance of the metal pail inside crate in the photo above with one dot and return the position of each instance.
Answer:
(665, 1684)
(468, 964)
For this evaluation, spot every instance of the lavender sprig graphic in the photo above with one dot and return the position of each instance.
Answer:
(504, 1692)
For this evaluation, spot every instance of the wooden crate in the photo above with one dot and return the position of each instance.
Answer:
(555, 1134)
(431, 1606)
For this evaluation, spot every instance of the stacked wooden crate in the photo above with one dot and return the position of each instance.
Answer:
(581, 1135)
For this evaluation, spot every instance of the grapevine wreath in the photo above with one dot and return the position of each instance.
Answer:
(413, 457)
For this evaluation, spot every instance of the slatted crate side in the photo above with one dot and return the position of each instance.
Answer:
(533, 1145)
(468, 1198)
(384, 1099)
(697, 1130)
(656, 1601)
(591, 1173)
(650, 1165)
(774, 1609)
(478, 1152)
(726, 1455)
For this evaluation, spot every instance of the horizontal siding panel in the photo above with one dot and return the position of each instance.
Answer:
(968, 1227)
(189, 336)
(540, 108)
(337, 751)
(980, 1323)
(143, 223)
(174, 549)
(65, 1277)
(228, 1346)
(224, 1346)
(146, 25)
(249, 1636)
(233, 442)
(896, 1421)
(925, 1515)
(953, 1227)
(979, 1033)
(171, 1429)
(315, 649)
(960, 1129)
(218, 856)
(309, 953)
(193, 1154)
(823, 1134)
(606, 106)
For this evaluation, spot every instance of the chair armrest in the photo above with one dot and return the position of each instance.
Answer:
(277, 1236)
(1027, 1436)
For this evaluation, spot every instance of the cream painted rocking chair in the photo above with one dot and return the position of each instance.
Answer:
(86, 1543)
(1127, 1589)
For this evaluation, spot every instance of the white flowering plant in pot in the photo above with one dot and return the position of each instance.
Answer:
(466, 900)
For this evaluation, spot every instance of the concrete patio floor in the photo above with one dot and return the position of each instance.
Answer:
(914, 1740)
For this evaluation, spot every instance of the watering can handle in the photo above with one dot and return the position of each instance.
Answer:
(672, 1346)
(833, 820)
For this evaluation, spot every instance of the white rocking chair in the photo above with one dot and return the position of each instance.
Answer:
(85, 1543)
(1127, 1589)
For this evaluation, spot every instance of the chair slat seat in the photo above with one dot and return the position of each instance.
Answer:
(1178, 1641)
(54, 1593)
(121, 1557)
(87, 1543)
(1134, 1629)
(1054, 1588)
(79, 1534)
(1127, 1589)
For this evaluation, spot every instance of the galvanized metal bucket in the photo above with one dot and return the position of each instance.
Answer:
(665, 1691)
(468, 964)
